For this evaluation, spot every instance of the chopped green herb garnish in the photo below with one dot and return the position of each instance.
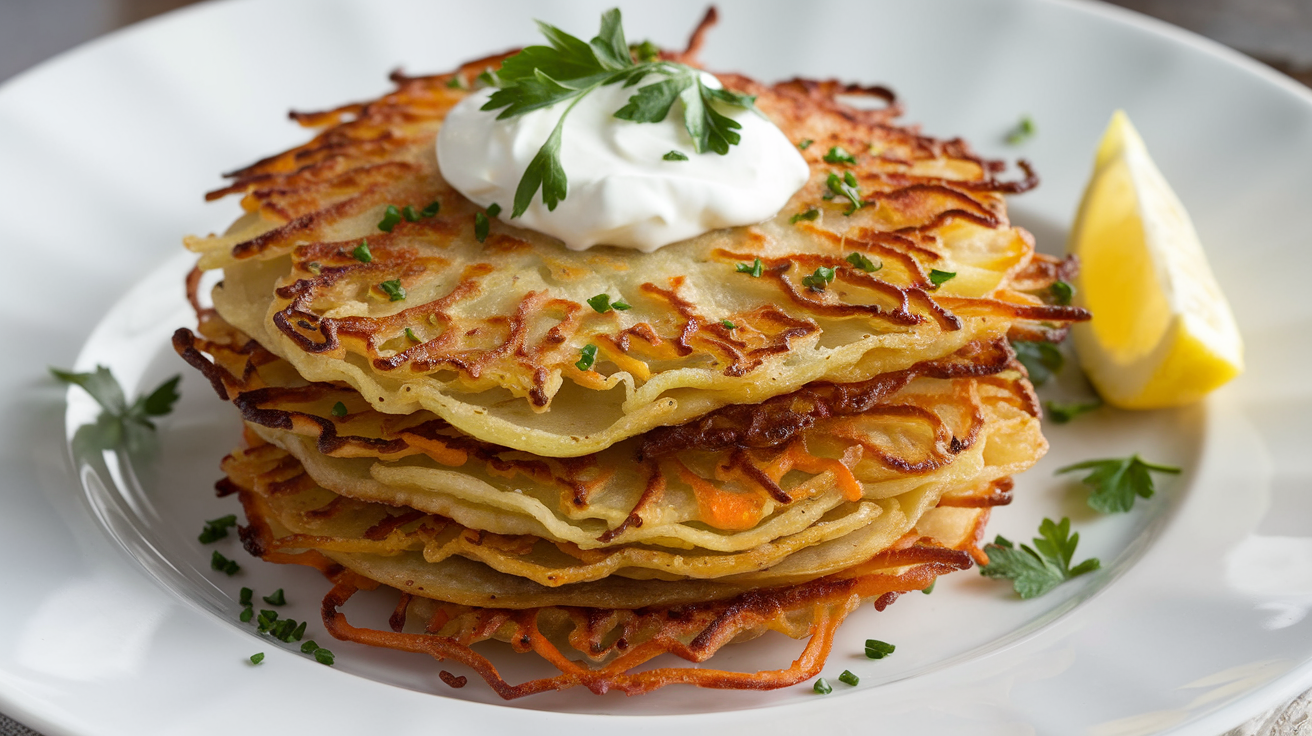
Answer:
(266, 619)
(410, 214)
(1062, 292)
(938, 278)
(645, 51)
(339, 410)
(810, 214)
(119, 421)
(846, 187)
(620, 306)
(1023, 131)
(849, 678)
(587, 357)
(455, 82)
(1063, 412)
(284, 630)
(805, 143)
(309, 647)
(865, 264)
(876, 649)
(726, 324)
(216, 529)
(299, 632)
(817, 281)
(929, 588)
(822, 686)
(411, 336)
(482, 226)
(314, 268)
(674, 156)
(1036, 570)
(1116, 481)
(246, 614)
(493, 210)
(277, 599)
(1041, 359)
(602, 304)
(223, 564)
(245, 598)
(569, 69)
(391, 216)
(431, 210)
(361, 252)
(393, 289)
(837, 155)
(486, 79)
(323, 656)
(257, 657)
(753, 270)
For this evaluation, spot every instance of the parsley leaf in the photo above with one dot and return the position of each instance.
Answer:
(938, 278)
(675, 156)
(1063, 412)
(726, 324)
(805, 143)
(339, 409)
(216, 529)
(1062, 292)
(838, 155)
(1036, 570)
(1116, 481)
(817, 281)
(753, 270)
(391, 216)
(602, 304)
(860, 260)
(846, 187)
(1041, 359)
(118, 418)
(361, 252)
(810, 214)
(569, 69)
(393, 289)
(587, 358)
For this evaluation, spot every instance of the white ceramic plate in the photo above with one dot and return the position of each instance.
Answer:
(113, 623)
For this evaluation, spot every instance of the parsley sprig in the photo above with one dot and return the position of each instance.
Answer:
(569, 69)
(1116, 481)
(120, 421)
(1036, 570)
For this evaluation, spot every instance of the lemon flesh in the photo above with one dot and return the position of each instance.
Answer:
(1162, 333)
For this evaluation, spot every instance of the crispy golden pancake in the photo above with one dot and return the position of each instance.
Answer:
(487, 335)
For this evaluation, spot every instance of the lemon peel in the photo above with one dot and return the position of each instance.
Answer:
(1162, 333)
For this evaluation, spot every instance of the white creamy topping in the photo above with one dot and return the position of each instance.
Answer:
(621, 190)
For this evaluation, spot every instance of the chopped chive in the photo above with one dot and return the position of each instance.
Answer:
(728, 325)
(838, 155)
(941, 277)
(431, 210)
(247, 614)
(266, 619)
(409, 213)
(362, 253)
(587, 357)
(216, 529)
(822, 686)
(817, 281)
(1062, 292)
(810, 214)
(223, 564)
(309, 647)
(929, 588)
(876, 649)
(391, 216)
(314, 268)
(805, 143)
(339, 410)
(323, 656)
(754, 270)
(393, 289)
(1062, 412)
(246, 594)
(411, 336)
(849, 678)
(865, 264)
(299, 632)
(257, 657)
(277, 599)
(674, 156)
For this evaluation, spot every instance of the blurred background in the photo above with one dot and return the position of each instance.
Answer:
(1276, 32)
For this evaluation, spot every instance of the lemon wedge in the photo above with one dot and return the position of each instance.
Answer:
(1162, 333)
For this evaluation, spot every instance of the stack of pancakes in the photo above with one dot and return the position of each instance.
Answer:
(754, 446)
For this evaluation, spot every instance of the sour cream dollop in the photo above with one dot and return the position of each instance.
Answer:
(621, 190)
